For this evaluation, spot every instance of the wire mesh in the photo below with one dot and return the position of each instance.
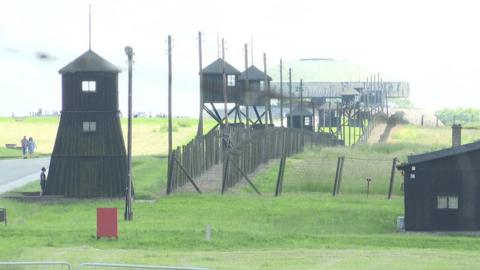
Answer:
(318, 173)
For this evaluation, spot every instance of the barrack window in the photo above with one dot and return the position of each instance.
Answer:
(447, 202)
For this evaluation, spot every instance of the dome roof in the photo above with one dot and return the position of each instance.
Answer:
(89, 62)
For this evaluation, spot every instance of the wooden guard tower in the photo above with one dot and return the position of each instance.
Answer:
(212, 89)
(255, 94)
(89, 157)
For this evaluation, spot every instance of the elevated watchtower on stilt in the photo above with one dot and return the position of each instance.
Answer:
(255, 94)
(213, 89)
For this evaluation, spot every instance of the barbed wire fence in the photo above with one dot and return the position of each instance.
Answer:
(339, 175)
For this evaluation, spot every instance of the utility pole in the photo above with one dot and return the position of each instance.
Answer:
(251, 48)
(281, 93)
(247, 85)
(301, 104)
(224, 76)
(218, 46)
(265, 87)
(170, 154)
(128, 203)
(290, 95)
(200, 117)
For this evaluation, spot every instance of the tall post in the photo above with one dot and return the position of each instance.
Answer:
(200, 117)
(224, 76)
(247, 86)
(89, 27)
(392, 178)
(301, 104)
(290, 94)
(281, 93)
(251, 49)
(265, 88)
(386, 98)
(128, 203)
(170, 143)
(313, 115)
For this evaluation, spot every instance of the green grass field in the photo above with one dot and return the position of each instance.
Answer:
(305, 228)
(149, 138)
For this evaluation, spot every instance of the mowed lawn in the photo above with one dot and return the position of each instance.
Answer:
(305, 228)
(295, 231)
(149, 134)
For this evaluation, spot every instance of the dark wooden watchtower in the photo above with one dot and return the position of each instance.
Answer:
(255, 94)
(89, 157)
(295, 118)
(212, 88)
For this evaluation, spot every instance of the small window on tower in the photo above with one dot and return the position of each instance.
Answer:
(89, 86)
(89, 126)
(262, 85)
(306, 121)
(230, 80)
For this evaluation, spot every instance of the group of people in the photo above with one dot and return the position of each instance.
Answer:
(28, 146)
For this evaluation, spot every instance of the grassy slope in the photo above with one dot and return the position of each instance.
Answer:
(305, 228)
(149, 134)
(314, 170)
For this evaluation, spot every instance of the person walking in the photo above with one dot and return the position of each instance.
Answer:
(43, 181)
(24, 143)
(31, 147)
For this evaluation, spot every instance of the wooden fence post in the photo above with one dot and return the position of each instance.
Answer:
(392, 178)
(340, 173)
(335, 182)
(281, 171)
(225, 174)
(170, 173)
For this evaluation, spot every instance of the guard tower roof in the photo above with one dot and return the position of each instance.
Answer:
(254, 74)
(217, 68)
(89, 62)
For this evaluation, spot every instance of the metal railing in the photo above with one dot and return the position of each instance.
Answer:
(135, 266)
(37, 263)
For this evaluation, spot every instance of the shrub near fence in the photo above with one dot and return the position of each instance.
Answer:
(240, 150)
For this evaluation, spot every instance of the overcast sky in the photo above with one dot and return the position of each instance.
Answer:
(432, 44)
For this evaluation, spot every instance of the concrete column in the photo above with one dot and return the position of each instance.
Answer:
(456, 135)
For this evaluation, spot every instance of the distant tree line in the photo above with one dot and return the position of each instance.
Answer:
(459, 116)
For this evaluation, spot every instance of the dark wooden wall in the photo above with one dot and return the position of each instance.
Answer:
(457, 175)
(212, 87)
(296, 122)
(254, 96)
(104, 99)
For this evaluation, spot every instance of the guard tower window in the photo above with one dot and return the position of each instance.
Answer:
(230, 80)
(447, 202)
(306, 121)
(89, 126)
(89, 86)
(262, 85)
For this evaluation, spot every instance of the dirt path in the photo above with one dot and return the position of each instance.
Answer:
(211, 180)
(376, 133)
(414, 116)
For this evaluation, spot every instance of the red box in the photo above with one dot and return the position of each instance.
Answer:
(107, 222)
